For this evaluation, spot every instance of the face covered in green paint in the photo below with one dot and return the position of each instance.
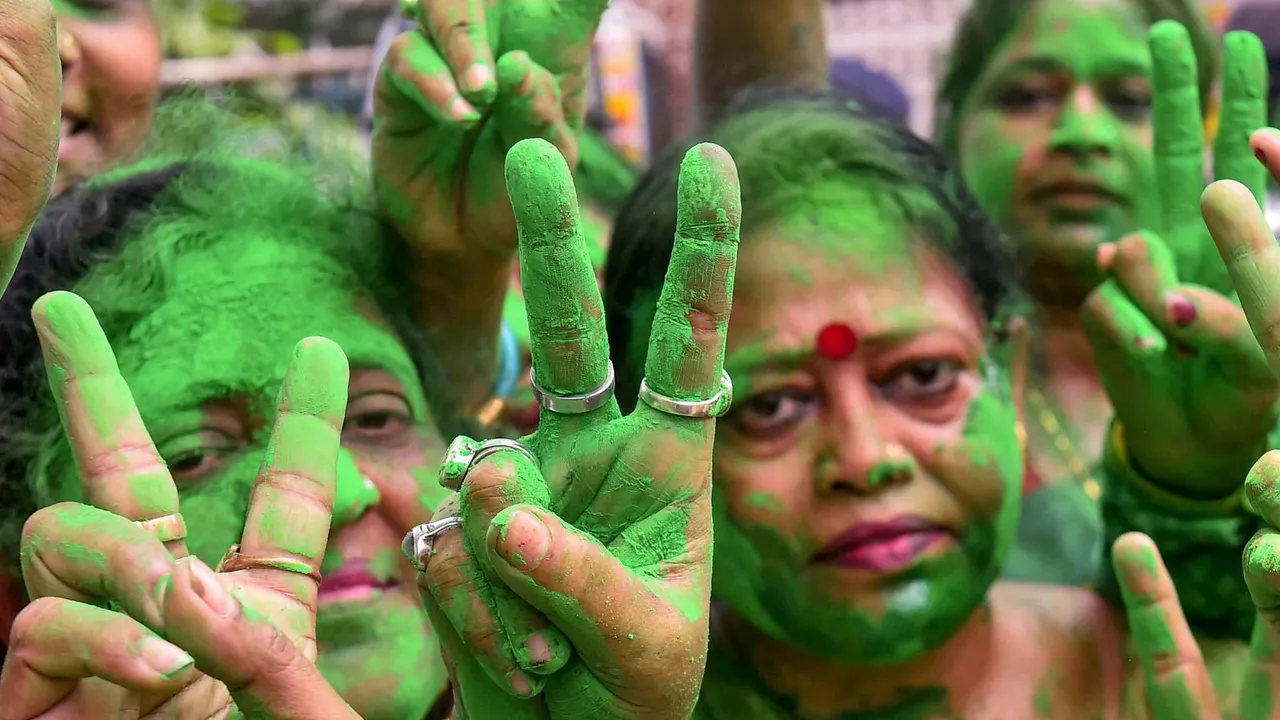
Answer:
(863, 504)
(205, 365)
(1056, 141)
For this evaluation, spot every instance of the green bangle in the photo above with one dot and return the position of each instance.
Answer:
(1119, 465)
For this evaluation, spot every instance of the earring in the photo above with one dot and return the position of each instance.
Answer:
(67, 42)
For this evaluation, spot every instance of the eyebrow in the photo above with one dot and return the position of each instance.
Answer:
(1050, 63)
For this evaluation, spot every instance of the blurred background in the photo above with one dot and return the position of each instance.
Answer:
(310, 63)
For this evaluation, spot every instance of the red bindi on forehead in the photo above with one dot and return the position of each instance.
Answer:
(836, 341)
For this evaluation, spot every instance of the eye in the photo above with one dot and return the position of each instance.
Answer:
(1130, 102)
(771, 413)
(196, 456)
(95, 7)
(922, 380)
(376, 417)
(1026, 97)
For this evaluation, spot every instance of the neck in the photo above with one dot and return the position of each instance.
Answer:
(935, 684)
(1067, 356)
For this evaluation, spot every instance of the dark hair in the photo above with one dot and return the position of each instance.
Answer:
(785, 142)
(84, 241)
(987, 23)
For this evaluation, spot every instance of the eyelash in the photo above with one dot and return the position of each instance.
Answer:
(801, 403)
(1128, 104)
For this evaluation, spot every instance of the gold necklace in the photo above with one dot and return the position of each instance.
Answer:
(1076, 464)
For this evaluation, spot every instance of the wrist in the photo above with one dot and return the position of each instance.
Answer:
(1158, 492)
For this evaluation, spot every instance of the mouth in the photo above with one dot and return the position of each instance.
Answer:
(352, 583)
(1078, 195)
(884, 546)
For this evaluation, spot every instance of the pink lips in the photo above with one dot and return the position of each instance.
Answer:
(352, 581)
(883, 546)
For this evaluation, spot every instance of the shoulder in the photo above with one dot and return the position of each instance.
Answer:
(1074, 641)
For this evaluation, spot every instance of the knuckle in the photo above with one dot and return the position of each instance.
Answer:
(133, 458)
(488, 485)
(26, 626)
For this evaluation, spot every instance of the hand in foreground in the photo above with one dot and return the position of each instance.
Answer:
(1190, 387)
(453, 96)
(1177, 682)
(579, 581)
(186, 642)
(30, 108)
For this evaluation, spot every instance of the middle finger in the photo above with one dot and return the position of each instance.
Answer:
(1179, 132)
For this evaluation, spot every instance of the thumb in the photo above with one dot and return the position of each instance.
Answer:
(599, 604)
(268, 676)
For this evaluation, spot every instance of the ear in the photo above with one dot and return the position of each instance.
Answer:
(1019, 352)
(13, 597)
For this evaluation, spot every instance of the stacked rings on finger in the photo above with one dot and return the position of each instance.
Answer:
(574, 404)
(712, 407)
(464, 453)
(166, 528)
(418, 543)
(234, 561)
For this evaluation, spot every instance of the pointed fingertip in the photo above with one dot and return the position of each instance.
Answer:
(709, 194)
(540, 187)
(317, 379)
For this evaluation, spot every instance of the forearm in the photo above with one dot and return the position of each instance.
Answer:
(459, 307)
(1201, 542)
(741, 42)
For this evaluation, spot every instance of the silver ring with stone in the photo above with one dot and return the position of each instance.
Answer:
(712, 407)
(418, 543)
(574, 404)
(464, 453)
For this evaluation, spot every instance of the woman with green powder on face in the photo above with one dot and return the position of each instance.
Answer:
(867, 479)
(1075, 131)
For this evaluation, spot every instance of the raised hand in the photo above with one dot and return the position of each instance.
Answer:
(456, 94)
(1189, 385)
(180, 639)
(579, 581)
(30, 108)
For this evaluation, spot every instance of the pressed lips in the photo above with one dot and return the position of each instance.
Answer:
(883, 546)
(1082, 193)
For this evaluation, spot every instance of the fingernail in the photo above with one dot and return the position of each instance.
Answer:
(477, 77)
(1106, 255)
(462, 111)
(164, 658)
(539, 652)
(206, 585)
(520, 683)
(1181, 311)
(523, 540)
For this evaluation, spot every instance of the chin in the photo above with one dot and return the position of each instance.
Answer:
(388, 680)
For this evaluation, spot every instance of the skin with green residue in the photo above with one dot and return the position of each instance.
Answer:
(204, 353)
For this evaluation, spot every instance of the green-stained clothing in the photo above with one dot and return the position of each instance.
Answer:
(1060, 537)
(1064, 538)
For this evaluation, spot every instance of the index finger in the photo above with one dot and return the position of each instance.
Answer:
(292, 500)
(1177, 682)
(568, 344)
(1244, 110)
(1244, 240)
(686, 344)
(462, 35)
(120, 470)
(1179, 133)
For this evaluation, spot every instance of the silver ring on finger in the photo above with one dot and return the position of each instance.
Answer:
(712, 407)
(464, 453)
(574, 404)
(419, 543)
